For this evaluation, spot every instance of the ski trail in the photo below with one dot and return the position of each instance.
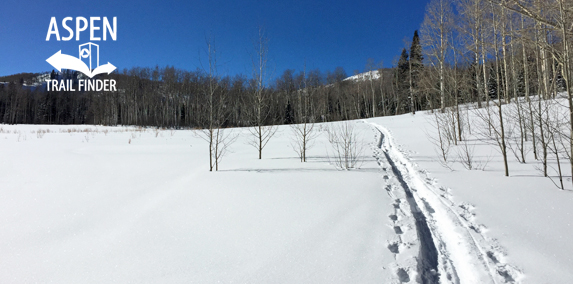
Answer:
(405, 246)
(452, 248)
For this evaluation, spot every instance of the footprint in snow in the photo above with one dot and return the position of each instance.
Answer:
(394, 248)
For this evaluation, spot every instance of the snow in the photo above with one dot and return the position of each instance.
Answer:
(140, 206)
(460, 254)
(365, 76)
(94, 204)
(39, 80)
(524, 221)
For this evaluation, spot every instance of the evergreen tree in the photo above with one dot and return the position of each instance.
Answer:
(416, 52)
(403, 69)
(403, 77)
(416, 64)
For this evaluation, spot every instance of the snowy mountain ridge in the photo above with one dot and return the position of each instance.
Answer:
(374, 74)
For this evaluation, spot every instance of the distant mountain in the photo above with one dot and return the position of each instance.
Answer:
(364, 76)
(25, 79)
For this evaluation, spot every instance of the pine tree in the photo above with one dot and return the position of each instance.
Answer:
(402, 75)
(416, 54)
(403, 69)
(416, 66)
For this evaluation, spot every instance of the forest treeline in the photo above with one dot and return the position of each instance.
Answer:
(170, 97)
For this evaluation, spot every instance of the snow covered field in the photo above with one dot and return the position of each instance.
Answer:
(91, 207)
(87, 204)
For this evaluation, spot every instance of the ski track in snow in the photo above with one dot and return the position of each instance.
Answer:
(433, 232)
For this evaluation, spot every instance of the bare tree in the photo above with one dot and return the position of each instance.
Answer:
(303, 138)
(491, 131)
(223, 138)
(381, 85)
(304, 132)
(516, 142)
(499, 132)
(262, 129)
(215, 115)
(471, 30)
(436, 30)
(370, 68)
(442, 142)
(347, 146)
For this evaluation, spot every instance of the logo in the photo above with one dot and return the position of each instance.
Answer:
(87, 61)
(87, 51)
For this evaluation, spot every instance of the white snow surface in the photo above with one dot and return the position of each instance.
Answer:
(132, 206)
(375, 74)
(94, 204)
(521, 223)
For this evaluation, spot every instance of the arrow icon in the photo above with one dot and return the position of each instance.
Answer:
(63, 61)
(106, 68)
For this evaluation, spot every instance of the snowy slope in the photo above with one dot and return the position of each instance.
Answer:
(94, 204)
(455, 248)
(128, 206)
(522, 223)
(364, 76)
(38, 80)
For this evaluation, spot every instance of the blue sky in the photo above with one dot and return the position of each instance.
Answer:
(322, 34)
